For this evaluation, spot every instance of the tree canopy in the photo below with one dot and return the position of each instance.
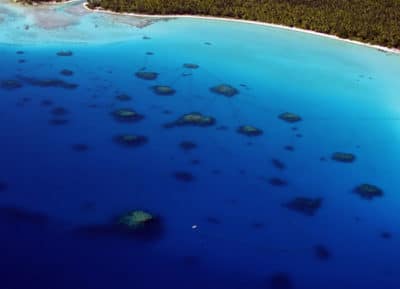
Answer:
(372, 21)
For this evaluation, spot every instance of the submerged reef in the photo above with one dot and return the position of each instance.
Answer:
(278, 164)
(343, 157)
(127, 115)
(184, 176)
(213, 220)
(137, 224)
(141, 224)
(64, 53)
(59, 111)
(289, 117)
(304, 205)
(10, 84)
(190, 65)
(277, 182)
(48, 82)
(225, 90)
(131, 140)
(135, 219)
(123, 97)
(289, 148)
(80, 147)
(66, 72)
(249, 130)
(322, 252)
(146, 75)
(187, 145)
(368, 191)
(192, 119)
(386, 235)
(163, 90)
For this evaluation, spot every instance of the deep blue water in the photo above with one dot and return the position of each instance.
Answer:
(51, 193)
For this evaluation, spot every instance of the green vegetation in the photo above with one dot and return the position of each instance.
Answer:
(370, 21)
(30, 2)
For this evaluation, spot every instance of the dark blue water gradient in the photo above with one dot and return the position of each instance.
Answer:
(244, 235)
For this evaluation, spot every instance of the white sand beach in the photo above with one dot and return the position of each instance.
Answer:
(381, 48)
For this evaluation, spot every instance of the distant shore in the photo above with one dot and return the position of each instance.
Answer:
(378, 47)
(44, 3)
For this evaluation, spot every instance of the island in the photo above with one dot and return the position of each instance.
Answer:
(368, 21)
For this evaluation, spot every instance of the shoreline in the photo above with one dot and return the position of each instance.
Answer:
(46, 3)
(205, 17)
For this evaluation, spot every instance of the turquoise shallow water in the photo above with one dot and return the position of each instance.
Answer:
(51, 193)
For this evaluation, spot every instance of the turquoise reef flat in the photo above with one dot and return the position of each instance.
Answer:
(249, 156)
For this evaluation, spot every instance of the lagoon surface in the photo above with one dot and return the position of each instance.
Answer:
(225, 199)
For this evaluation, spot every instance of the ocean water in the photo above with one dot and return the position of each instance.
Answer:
(63, 184)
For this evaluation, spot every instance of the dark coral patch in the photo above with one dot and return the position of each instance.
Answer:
(368, 191)
(213, 220)
(59, 111)
(163, 90)
(146, 75)
(127, 115)
(10, 84)
(290, 117)
(130, 140)
(192, 119)
(343, 157)
(58, 83)
(140, 224)
(145, 228)
(184, 176)
(280, 280)
(386, 235)
(66, 72)
(304, 205)
(167, 111)
(289, 148)
(225, 90)
(258, 225)
(187, 145)
(64, 53)
(249, 130)
(123, 97)
(190, 65)
(278, 164)
(277, 182)
(322, 252)
(80, 147)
